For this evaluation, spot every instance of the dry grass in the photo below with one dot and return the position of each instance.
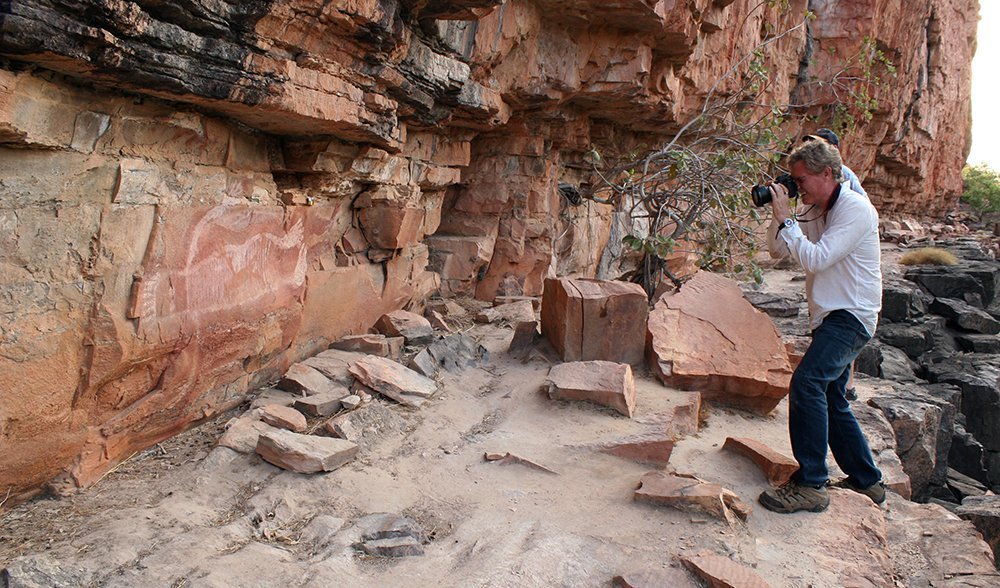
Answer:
(928, 256)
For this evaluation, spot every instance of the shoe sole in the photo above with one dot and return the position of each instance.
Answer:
(779, 508)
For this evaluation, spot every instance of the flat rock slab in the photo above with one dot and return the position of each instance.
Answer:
(367, 425)
(370, 344)
(931, 547)
(707, 337)
(453, 354)
(511, 312)
(394, 380)
(242, 433)
(601, 382)
(324, 404)
(393, 547)
(777, 467)
(722, 572)
(965, 316)
(595, 319)
(305, 454)
(402, 323)
(334, 364)
(691, 494)
(304, 379)
(388, 535)
(651, 448)
(283, 417)
(266, 396)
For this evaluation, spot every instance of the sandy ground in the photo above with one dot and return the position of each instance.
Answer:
(187, 513)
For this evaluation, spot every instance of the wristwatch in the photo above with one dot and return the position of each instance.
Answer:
(786, 224)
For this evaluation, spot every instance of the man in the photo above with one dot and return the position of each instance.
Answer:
(835, 240)
(855, 184)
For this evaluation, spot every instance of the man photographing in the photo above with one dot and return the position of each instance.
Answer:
(835, 240)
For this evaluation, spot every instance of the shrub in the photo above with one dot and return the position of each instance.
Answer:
(982, 187)
(928, 256)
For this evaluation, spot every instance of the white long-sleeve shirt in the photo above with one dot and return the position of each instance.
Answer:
(839, 250)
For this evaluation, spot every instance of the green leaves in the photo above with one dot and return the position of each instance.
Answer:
(982, 187)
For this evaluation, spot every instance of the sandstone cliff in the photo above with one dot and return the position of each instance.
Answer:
(195, 194)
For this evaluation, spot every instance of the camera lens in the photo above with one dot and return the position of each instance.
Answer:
(760, 195)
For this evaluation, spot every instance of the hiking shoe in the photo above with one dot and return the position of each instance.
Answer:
(792, 498)
(876, 491)
(851, 394)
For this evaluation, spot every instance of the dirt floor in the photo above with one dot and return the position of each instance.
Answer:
(186, 512)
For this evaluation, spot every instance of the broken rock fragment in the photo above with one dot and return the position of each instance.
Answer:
(666, 578)
(510, 458)
(334, 364)
(389, 535)
(367, 425)
(601, 382)
(722, 572)
(283, 417)
(402, 323)
(304, 454)
(372, 344)
(512, 312)
(453, 354)
(324, 404)
(394, 380)
(595, 319)
(242, 432)
(691, 494)
(777, 467)
(707, 337)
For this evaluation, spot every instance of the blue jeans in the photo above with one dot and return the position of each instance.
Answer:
(819, 413)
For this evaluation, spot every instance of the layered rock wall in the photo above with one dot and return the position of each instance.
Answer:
(195, 194)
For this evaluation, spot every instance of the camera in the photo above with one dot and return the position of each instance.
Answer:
(761, 195)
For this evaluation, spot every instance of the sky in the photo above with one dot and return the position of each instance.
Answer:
(985, 87)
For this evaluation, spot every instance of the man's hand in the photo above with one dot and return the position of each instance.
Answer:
(779, 202)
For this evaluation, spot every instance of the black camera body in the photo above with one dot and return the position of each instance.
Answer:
(761, 195)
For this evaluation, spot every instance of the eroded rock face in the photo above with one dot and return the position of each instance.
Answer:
(197, 195)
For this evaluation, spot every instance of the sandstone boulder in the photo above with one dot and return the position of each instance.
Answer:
(593, 319)
(707, 337)
(601, 382)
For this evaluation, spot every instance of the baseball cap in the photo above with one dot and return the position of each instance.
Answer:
(825, 134)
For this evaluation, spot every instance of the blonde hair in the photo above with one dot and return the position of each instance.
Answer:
(817, 156)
